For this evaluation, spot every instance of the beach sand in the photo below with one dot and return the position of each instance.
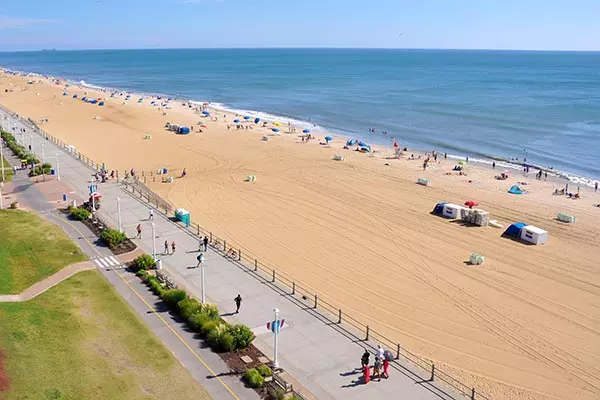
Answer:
(525, 325)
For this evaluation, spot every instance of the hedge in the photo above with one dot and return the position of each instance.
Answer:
(143, 262)
(21, 152)
(79, 214)
(264, 370)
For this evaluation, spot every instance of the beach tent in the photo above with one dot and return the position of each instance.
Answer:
(205, 113)
(256, 120)
(183, 130)
(65, 94)
(439, 208)
(306, 131)
(514, 230)
(366, 148)
(362, 144)
(75, 96)
(452, 211)
(328, 138)
(84, 98)
(93, 101)
(275, 130)
(101, 104)
(515, 189)
(533, 235)
(236, 121)
(247, 117)
(351, 142)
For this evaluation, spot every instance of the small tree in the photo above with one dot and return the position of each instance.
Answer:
(79, 214)
(242, 336)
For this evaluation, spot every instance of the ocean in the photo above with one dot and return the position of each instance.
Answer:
(513, 104)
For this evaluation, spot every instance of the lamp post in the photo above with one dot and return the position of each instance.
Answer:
(57, 168)
(31, 141)
(276, 333)
(153, 243)
(202, 281)
(119, 213)
(43, 156)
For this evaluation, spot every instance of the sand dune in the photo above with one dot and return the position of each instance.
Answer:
(524, 325)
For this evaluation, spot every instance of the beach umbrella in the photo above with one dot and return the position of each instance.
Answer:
(205, 113)
(506, 171)
(247, 117)
(351, 142)
(388, 355)
(471, 203)
(236, 121)
(75, 96)
(328, 138)
(362, 144)
(277, 123)
(96, 195)
(306, 131)
(275, 130)
(256, 120)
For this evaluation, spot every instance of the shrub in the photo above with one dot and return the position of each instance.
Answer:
(214, 335)
(47, 166)
(242, 336)
(142, 273)
(79, 214)
(211, 310)
(155, 286)
(226, 342)
(253, 378)
(197, 321)
(264, 370)
(188, 307)
(143, 262)
(174, 296)
(276, 394)
(208, 326)
(112, 237)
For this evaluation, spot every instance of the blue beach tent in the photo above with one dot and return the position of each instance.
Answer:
(93, 101)
(514, 230)
(236, 121)
(256, 120)
(275, 130)
(247, 117)
(65, 94)
(439, 208)
(205, 113)
(351, 142)
(306, 131)
(183, 130)
(101, 104)
(75, 96)
(515, 189)
(362, 144)
(84, 98)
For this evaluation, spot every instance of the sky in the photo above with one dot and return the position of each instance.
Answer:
(441, 24)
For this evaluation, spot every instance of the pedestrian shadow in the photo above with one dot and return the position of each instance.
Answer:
(230, 373)
(354, 383)
(191, 267)
(230, 314)
(353, 372)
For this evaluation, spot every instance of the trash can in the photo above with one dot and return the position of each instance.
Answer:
(52, 172)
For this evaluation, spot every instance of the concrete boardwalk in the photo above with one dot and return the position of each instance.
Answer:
(323, 357)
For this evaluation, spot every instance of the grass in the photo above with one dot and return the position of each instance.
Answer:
(31, 249)
(80, 340)
(8, 172)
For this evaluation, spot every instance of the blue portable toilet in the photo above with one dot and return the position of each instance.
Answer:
(514, 230)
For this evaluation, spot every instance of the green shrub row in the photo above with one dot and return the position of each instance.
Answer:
(253, 378)
(21, 152)
(201, 318)
(43, 169)
(112, 237)
(143, 263)
(79, 214)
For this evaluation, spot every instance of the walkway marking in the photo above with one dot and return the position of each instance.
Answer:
(196, 355)
(107, 262)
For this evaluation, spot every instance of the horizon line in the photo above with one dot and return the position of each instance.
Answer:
(303, 48)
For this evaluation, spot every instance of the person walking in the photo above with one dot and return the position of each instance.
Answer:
(205, 243)
(596, 187)
(377, 368)
(380, 352)
(151, 214)
(166, 247)
(173, 247)
(238, 303)
(386, 368)
(200, 259)
(139, 231)
(364, 359)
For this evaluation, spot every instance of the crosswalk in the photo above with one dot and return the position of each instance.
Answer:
(108, 262)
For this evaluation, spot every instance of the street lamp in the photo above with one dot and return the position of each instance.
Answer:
(57, 168)
(43, 156)
(153, 243)
(202, 281)
(276, 333)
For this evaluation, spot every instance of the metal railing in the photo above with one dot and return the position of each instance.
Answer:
(310, 298)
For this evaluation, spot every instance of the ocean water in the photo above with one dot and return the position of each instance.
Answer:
(543, 105)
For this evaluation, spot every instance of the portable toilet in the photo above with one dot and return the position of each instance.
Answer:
(183, 215)
(452, 210)
(534, 235)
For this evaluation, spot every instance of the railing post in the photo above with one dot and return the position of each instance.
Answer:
(273, 280)
(473, 394)
(255, 264)
(340, 316)
(239, 254)
(224, 246)
(210, 236)
(367, 337)
(316, 301)
(293, 287)
(432, 373)
(198, 229)
(398, 351)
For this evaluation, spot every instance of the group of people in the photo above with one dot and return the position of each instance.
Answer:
(380, 366)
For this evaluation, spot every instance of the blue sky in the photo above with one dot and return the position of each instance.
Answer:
(458, 24)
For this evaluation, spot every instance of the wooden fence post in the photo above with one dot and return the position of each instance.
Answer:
(340, 316)
(224, 246)
(293, 287)
(367, 337)
(432, 373)
(239, 254)
(473, 394)
(316, 301)
(255, 264)
(273, 280)
(398, 351)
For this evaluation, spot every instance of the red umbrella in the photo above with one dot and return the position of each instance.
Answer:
(471, 203)
(96, 195)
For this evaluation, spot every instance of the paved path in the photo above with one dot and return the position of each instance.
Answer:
(51, 281)
(320, 355)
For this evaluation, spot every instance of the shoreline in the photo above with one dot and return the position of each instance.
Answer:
(472, 156)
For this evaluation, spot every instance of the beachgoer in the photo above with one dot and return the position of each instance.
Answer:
(596, 187)
(545, 175)
(173, 247)
(200, 259)
(377, 368)
(364, 360)
(493, 164)
(467, 159)
(386, 368)
(380, 351)
(183, 173)
(238, 303)
(445, 155)
(205, 243)
(139, 231)
(166, 247)
(151, 214)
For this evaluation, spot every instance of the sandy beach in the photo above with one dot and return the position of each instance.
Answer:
(524, 325)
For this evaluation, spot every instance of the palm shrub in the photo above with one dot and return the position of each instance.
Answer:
(242, 336)
(143, 262)
(112, 237)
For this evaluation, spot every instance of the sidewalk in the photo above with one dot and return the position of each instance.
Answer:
(322, 357)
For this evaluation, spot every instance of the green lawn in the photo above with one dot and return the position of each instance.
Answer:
(80, 340)
(31, 249)
(8, 172)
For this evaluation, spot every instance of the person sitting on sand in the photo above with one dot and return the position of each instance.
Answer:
(183, 173)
